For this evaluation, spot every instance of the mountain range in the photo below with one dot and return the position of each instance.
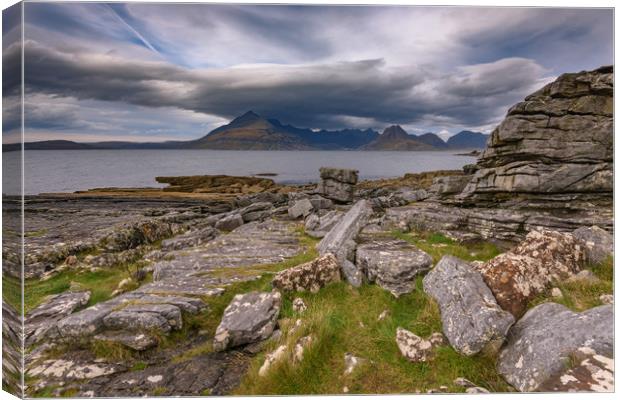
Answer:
(250, 131)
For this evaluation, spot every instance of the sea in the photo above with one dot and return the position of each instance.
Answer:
(54, 171)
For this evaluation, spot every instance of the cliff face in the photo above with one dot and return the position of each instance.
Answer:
(559, 141)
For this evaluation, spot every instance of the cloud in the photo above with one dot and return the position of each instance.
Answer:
(312, 95)
(140, 68)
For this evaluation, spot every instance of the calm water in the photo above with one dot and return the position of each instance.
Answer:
(71, 170)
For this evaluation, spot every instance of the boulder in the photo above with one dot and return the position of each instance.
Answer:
(472, 320)
(447, 185)
(249, 318)
(413, 347)
(310, 276)
(542, 258)
(299, 306)
(145, 318)
(351, 273)
(392, 264)
(229, 222)
(337, 184)
(300, 208)
(542, 342)
(346, 229)
(597, 243)
(593, 373)
(317, 225)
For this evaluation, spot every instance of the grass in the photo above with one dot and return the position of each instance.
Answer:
(437, 245)
(344, 319)
(101, 284)
(11, 292)
(582, 295)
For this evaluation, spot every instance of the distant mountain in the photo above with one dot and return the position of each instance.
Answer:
(250, 131)
(433, 140)
(253, 132)
(395, 138)
(468, 140)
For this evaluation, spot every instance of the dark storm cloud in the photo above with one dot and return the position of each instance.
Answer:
(319, 67)
(306, 95)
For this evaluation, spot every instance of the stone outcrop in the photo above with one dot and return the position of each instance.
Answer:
(414, 348)
(541, 343)
(310, 276)
(317, 225)
(337, 184)
(472, 320)
(392, 264)
(249, 318)
(542, 258)
(557, 141)
(593, 373)
(597, 243)
(346, 229)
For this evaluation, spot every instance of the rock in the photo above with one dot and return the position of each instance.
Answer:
(556, 293)
(300, 208)
(132, 235)
(256, 211)
(71, 260)
(597, 242)
(476, 390)
(73, 370)
(593, 373)
(351, 273)
(294, 327)
(584, 276)
(136, 341)
(463, 382)
(437, 339)
(249, 318)
(409, 196)
(300, 346)
(318, 225)
(472, 320)
(447, 185)
(272, 358)
(346, 229)
(392, 264)
(123, 286)
(299, 306)
(606, 299)
(542, 341)
(558, 141)
(542, 258)
(44, 317)
(337, 184)
(384, 314)
(229, 223)
(413, 347)
(310, 276)
(160, 318)
(189, 239)
(351, 362)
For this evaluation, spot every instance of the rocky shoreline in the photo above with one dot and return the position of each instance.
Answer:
(212, 282)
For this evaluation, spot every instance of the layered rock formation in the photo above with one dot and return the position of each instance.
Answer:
(548, 165)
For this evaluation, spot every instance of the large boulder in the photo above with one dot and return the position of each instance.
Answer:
(472, 320)
(597, 243)
(337, 184)
(310, 276)
(593, 373)
(543, 258)
(300, 208)
(446, 185)
(558, 141)
(542, 343)
(392, 264)
(249, 318)
(347, 228)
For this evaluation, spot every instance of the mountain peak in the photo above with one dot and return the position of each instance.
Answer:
(249, 116)
(394, 132)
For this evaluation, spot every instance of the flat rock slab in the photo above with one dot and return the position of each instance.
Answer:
(544, 257)
(136, 341)
(310, 276)
(249, 318)
(71, 370)
(472, 320)
(392, 264)
(541, 343)
(40, 320)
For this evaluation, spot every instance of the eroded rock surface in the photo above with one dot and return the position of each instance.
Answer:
(597, 242)
(249, 318)
(392, 264)
(310, 276)
(540, 344)
(471, 318)
(337, 184)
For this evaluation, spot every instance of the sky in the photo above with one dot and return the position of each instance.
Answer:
(155, 72)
